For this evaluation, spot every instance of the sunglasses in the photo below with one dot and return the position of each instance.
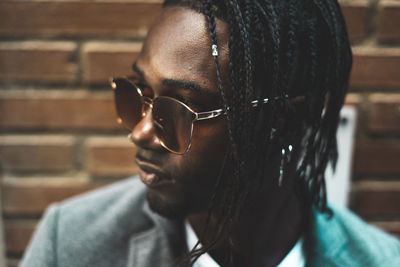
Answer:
(172, 119)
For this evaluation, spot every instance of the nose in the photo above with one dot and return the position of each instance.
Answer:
(143, 134)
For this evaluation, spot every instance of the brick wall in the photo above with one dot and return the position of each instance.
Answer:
(59, 136)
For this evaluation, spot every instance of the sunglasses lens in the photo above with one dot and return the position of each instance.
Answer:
(128, 103)
(173, 123)
(172, 120)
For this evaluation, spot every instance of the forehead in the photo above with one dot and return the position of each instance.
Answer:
(178, 46)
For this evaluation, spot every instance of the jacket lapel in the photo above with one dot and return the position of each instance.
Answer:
(326, 242)
(160, 245)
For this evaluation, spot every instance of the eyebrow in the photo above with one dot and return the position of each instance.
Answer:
(188, 85)
(179, 84)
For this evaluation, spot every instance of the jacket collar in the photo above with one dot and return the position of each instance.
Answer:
(160, 244)
(162, 241)
(325, 241)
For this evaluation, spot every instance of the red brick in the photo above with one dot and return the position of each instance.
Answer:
(104, 60)
(32, 61)
(111, 156)
(376, 200)
(385, 113)
(36, 153)
(41, 109)
(352, 99)
(77, 18)
(376, 68)
(356, 15)
(17, 234)
(389, 22)
(390, 227)
(377, 159)
(30, 198)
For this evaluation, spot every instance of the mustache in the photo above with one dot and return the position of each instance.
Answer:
(153, 162)
(149, 157)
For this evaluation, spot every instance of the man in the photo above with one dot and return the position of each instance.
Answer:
(233, 107)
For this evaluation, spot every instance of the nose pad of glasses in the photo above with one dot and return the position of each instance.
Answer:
(147, 105)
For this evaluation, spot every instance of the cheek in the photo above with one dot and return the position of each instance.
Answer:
(196, 172)
(209, 144)
(210, 138)
(206, 155)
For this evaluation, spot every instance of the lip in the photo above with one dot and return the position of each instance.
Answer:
(151, 175)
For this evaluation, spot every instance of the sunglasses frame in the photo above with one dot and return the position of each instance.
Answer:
(197, 116)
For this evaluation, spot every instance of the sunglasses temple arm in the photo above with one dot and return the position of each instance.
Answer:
(255, 103)
(215, 113)
(266, 100)
(208, 115)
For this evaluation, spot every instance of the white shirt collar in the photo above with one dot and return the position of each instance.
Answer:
(295, 257)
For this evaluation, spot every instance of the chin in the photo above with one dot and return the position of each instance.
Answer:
(169, 210)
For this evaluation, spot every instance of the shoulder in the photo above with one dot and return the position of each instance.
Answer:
(115, 201)
(347, 238)
(114, 207)
(374, 241)
(93, 228)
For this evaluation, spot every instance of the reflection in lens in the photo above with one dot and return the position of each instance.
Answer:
(128, 103)
(173, 123)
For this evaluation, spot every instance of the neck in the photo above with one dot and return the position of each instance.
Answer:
(269, 226)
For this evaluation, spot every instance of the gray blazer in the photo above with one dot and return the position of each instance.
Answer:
(114, 226)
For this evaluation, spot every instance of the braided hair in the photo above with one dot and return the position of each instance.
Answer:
(277, 48)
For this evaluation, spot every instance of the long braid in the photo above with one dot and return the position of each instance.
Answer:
(222, 220)
(213, 36)
(276, 48)
(292, 53)
(272, 20)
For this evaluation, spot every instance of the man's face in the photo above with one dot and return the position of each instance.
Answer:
(176, 61)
